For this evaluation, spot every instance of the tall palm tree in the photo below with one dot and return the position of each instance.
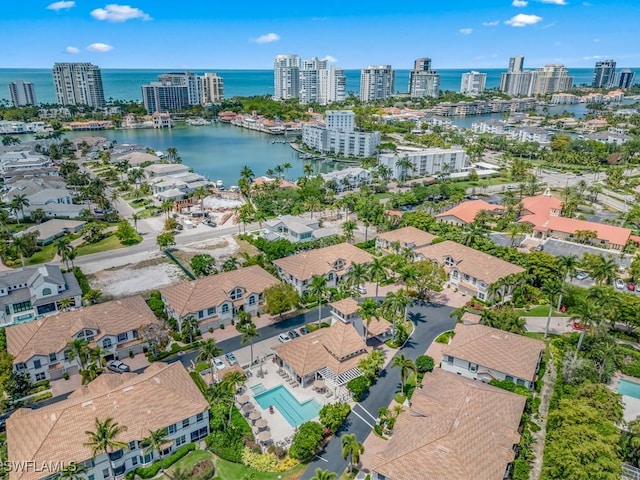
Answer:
(588, 314)
(348, 227)
(406, 366)
(233, 381)
(208, 351)
(307, 169)
(377, 271)
(230, 264)
(23, 245)
(351, 449)
(90, 373)
(19, 202)
(249, 333)
(71, 254)
(318, 289)
(78, 348)
(368, 310)
(568, 266)
(405, 166)
(552, 288)
(155, 442)
(246, 172)
(286, 166)
(396, 304)
(604, 271)
(104, 439)
(62, 247)
(324, 475)
(357, 276)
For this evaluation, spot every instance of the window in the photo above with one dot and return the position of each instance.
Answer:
(225, 308)
(91, 477)
(198, 434)
(105, 473)
(252, 300)
(201, 314)
(181, 441)
(147, 458)
(132, 445)
(37, 364)
(473, 367)
(236, 293)
(185, 423)
(122, 337)
(22, 306)
(211, 311)
(53, 357)
(171, 429)
(454, 274)
(508, 378)
(481, 296)
(199, 417)
(40, 376)
(448, 261)
(330, 276)
(520, 381)
(46, 291)
(134, 461)
(106, 343)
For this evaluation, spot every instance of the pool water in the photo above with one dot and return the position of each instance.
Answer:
(629, 388)
(294, 412)
(259, 388)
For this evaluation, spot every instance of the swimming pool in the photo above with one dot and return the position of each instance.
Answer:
(629, 388)
(293, 411)
(259, 388)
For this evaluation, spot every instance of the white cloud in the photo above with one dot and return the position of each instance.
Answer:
(72, 50)
(119, 13)
(597, 40)
(466, 31)
(57, 6)
(100, 47)
(267, 38)
(519, 3)
(523, 20)
(554, 2)
(495, 23)
(330, 58)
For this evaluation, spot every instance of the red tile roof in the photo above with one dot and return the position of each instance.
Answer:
(467, 211)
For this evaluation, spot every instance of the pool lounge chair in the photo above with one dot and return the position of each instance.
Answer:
(329, 394)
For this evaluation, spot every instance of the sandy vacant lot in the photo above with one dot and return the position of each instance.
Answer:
(138, 278)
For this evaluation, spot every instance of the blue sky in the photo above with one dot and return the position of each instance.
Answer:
(211, 34)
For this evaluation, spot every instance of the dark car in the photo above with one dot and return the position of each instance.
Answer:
(304, 331)
(118, 366)
(231, 358)
(293, 334)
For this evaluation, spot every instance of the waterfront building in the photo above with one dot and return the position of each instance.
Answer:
(625, 78)
(376, 83)
(348, 178)
(78, 84)
(423, 82)
(551, 79)
(286, 77)
(339, 136)
(159, 97)
(212, 89)
(516, 81)
(309, 79)
(22, 93)
(564, 99)
(424, 162)
(473, 83)
(604, 74)
(191, 81)
(332, 85)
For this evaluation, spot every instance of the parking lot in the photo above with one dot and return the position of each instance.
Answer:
(560, 248)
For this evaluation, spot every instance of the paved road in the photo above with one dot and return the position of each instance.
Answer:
(430, 321)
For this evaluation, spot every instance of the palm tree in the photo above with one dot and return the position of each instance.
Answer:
(66, 303)
(23, 244)
(588, 314)
(78, 348)
(568, 265)
(312, 205)
(19, 202)
(230, 264)
(377, 271)
(247, 173)
(172, 154)
(135, 217)
(405, 165)
(395, 304)
(348, 227)
(318, 289)
(368, 310)
(552, 288)
(208, 351)
(249, 333)
(406, 366)
(233, 381)
(307, 169)
(351, 449)
(189, 327)
(103, 439)
(357, 276)
(604, 271)
(62, 247)
(324, 475)
(286, 166)
(155, 442)
(90, 373)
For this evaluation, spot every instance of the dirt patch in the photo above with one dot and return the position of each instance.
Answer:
(136, 278)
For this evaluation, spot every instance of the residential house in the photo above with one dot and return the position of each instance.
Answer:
(466, 212)
(334, 263)
(470, 271)
(281, 183)
(484, 353)
(23, 160)
(39, 348)
(348, 178)
(164, 397)
(610, 137)
(36, 291)
(216, 299)
(165, 169)
(296, 229)
(348, 310)
(455, 429)
(53, 229)
(406, 237)
(48, 193)
(331, 354)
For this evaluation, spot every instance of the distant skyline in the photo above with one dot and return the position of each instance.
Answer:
(200, 35)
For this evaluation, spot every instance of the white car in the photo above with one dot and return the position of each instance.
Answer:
(283, 337)
(619, 284)
(219, 364)
(118, 366)
(582, 275)
(361, 290)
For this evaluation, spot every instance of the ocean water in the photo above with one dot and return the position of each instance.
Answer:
(124, 84)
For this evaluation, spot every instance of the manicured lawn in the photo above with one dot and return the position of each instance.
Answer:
(109, 243)
(46, 254)
(444, 337)
(542, 311)
(187, 463)
(234, 471)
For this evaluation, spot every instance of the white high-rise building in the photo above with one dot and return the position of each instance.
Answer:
(516, 81)
(473, 83)
(286, 77)
(604, 74)
(191, 81)
(212, 89)
(22, 93)
(310, 80)
(78, 84)
(424, 162)
(376, 83)
(516, 64)
(552, 79)
(332, 85)
(340, 120)
(423, 82)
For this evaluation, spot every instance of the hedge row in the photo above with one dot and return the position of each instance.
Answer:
(153, 469)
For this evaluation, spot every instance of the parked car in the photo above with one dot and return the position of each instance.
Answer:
(305, 330)
(361, 289)
(619, 284)
(540, 248)
(118, 366)
(293, 334)
(637, 287)
(283, 337)
(210, 223)
(582, 275)
(231, 358)
(631, 287)
(219, 364)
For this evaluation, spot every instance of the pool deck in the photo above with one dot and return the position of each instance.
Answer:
(631, 404)
(277, 424)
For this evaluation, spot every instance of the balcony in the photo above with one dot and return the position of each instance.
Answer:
(117, 455)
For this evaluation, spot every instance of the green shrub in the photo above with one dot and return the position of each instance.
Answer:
(521, 469)
(82, 280)
(358, 387)
(306, 440)
(333, 415)
(226, 444)
(262, 462)
(199, 381)
(424, 364)
(153, 469)
(444, 337)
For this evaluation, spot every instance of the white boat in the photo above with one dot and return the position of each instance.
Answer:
(219, 184)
